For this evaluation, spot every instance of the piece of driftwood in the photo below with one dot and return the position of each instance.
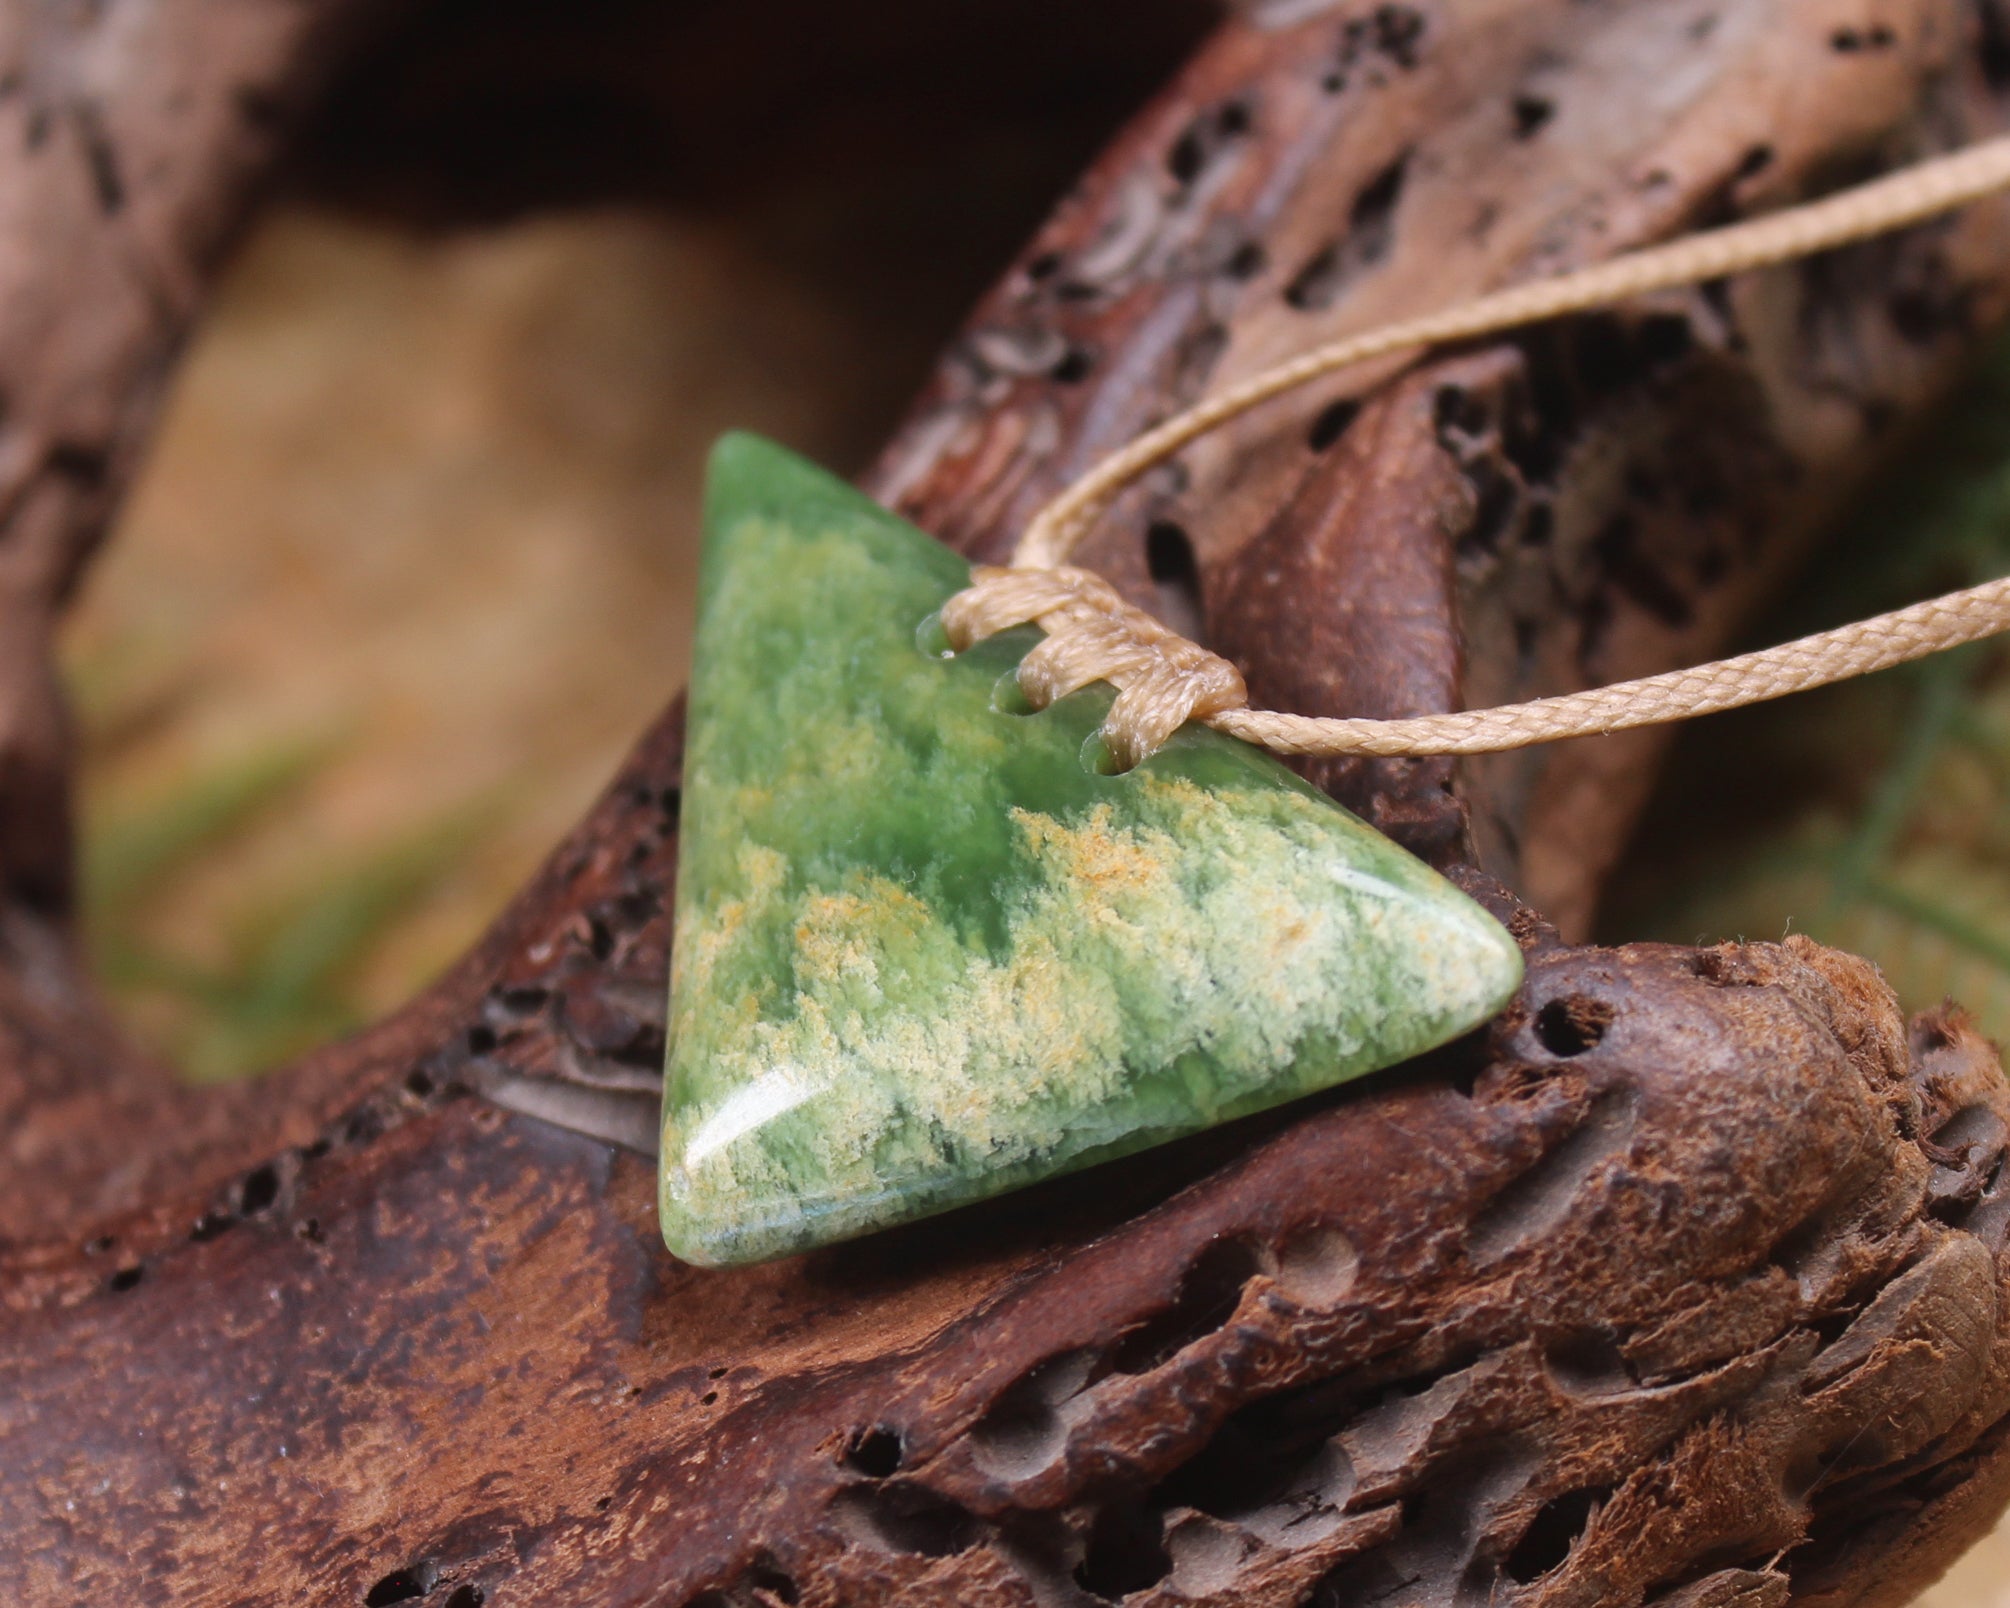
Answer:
(1681, 1284)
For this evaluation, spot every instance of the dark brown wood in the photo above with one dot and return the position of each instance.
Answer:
(1681, 1284)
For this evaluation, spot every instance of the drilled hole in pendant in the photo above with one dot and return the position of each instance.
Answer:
(1097, 758)
(1009, 698)
(932, 638)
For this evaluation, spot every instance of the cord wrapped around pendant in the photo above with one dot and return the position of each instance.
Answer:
(1164, 680)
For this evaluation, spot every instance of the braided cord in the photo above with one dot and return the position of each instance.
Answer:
(1704, 689)
(1162, 678)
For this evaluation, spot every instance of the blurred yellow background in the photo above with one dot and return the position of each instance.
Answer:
(409, 569)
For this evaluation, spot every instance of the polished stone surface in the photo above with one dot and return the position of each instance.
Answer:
(926, 952)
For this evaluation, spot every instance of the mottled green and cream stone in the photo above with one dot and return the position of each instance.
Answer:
(927, 952)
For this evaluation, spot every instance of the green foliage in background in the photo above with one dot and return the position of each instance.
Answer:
(1873, 816)
(281, 975)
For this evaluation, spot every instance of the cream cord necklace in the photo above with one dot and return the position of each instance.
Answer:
(1163, 680)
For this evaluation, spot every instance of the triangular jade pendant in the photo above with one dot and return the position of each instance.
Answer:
(926, 953)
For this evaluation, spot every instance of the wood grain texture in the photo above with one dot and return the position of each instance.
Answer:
(1682, 1284)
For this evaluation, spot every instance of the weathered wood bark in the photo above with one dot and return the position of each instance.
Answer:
(1684, 1283)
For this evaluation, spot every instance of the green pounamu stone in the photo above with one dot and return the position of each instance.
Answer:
(927, 952)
